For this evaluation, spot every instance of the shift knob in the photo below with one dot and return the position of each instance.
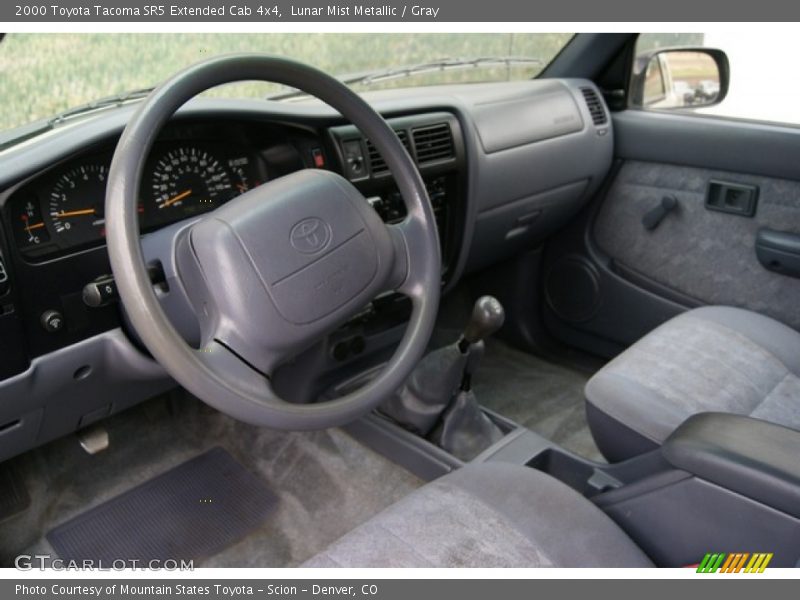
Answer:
(487, 317)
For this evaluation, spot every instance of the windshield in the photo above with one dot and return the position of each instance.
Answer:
(46, 74)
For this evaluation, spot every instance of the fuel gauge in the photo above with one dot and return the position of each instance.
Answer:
(240, 169)
(29, 227)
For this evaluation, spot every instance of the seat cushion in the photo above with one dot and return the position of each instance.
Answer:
(719, 359)
(487, 515)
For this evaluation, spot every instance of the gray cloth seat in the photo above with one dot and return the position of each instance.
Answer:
(487, 515)
(710, 359)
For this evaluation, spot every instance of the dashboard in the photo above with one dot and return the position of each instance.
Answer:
(505, 166)
(54, 222)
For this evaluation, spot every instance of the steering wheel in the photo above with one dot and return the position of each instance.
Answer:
(276, 269)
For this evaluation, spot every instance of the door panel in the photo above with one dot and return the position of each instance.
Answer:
(641, 277)
(706, 254)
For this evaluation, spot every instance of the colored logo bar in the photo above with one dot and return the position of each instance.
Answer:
(737, 562)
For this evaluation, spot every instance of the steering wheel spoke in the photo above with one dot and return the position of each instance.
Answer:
(228, 367)
(413, 257)
(158, 250)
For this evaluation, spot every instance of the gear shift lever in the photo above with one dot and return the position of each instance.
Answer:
(438, 390)
(487, 317)
(465, 430)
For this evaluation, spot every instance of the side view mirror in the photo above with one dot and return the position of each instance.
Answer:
(679, 78)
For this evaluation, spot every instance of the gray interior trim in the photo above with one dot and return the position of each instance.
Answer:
(631, 298)
(621, 310)
(521, 171)
(646, 283)
(707, 141)
(701, 253)
(681, 518)
(748, 456)
(525, 119)
(53, 401)
(414, 453)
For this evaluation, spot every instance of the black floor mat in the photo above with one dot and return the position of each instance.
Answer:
(13, 495)
(190, 512)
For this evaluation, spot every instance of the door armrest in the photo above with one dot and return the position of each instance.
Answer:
(779, 251)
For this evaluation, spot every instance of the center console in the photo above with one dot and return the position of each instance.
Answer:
(720, 483)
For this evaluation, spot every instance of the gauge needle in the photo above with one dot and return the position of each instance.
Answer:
(35, 226)
(74, 213)
(174, 199)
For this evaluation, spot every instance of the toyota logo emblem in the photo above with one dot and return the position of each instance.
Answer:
(310, 235)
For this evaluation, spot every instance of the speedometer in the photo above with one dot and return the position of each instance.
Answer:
(186, 181)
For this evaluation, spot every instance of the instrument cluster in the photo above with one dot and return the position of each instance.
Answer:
(64, 210)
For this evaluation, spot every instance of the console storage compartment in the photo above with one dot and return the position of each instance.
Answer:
(754, 458)
(733, 485)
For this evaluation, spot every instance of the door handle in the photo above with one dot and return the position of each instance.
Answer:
(734, 198)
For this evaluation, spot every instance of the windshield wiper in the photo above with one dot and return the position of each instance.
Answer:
(108, 101)
(445, 64)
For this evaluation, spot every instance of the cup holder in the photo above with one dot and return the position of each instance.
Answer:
(580, 475)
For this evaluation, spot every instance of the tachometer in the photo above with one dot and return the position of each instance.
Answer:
(75, 204)
(188, 181)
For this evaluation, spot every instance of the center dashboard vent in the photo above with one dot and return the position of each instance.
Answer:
(433, 142)
(595, 106)
(376, 162)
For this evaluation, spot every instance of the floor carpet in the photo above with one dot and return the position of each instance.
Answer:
(326, 482)
(543, 396)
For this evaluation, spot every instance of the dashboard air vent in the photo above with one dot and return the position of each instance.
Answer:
(595, 106)
(376, 162)
(434, 142)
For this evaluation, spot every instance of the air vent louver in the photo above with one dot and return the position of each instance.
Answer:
(434, 142)
(595, 106)
(376, 162)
